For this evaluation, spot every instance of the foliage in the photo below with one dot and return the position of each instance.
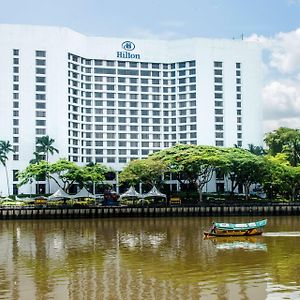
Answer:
(148, 171)
(93, 173)
(37, 157)
(257, 150)
(44, 146)
(193, 164)
(282, 179)
(33, 171)
(244, 168)
(64, 173)
(5, 149)
(285, 140)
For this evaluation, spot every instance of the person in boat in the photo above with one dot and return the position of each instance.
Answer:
(213, 228)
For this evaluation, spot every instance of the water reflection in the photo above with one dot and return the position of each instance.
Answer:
(163, 258)
(244, 243)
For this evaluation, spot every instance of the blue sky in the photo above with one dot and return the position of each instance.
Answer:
(169, 18)
(273, 23)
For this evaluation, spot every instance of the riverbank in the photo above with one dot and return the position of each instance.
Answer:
(273, 209)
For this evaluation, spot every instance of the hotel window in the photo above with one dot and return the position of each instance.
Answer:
(121, 64)
(40, 62)
(133, 64)
(239, 103)
(144, 65)
(218, 64)
(40, 53)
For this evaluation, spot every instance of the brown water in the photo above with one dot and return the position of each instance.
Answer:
(163, 258)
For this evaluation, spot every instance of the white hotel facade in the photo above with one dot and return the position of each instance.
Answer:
(111, 100)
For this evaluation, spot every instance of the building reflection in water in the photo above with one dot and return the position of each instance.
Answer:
(163, 258)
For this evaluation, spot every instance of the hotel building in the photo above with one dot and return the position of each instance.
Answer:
(112, 100)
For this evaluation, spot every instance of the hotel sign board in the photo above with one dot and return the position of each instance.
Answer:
(127, 47)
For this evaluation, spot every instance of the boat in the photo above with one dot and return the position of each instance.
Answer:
(240, 229)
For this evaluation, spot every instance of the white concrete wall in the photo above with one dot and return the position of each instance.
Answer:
(57, 42)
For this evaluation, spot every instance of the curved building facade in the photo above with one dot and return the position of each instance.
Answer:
(111, 100)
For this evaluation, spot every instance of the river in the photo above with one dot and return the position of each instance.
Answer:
(147, 258)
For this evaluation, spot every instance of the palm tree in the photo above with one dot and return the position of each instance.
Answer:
(37, 158)
(257, 150)
(5, 149)
(44, 147)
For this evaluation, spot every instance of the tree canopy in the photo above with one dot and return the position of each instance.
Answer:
(148, 171)
(285, 140)
(65, 173)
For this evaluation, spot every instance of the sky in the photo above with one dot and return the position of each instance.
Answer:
(275, 24)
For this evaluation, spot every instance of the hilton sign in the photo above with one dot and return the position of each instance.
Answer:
(128, 47)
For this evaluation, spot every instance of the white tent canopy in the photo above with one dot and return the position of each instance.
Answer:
(59, 194)
(154, 193)
(84, 193)
(131, 193)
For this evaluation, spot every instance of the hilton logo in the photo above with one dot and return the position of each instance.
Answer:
(128, 46)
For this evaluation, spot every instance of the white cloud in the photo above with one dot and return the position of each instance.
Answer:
(270, 125)
(281, 100)
(285, 55)
(284, 50)
(281, 93)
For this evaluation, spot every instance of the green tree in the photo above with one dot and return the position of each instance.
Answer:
(44, 147)
(64, 173)
(257, 150)
(148, 171)
(282, 178)
(93, 174)
(37, 158)
(5, 149)
(193, 164)
(32, 172)
(243, 168)
(285, 140)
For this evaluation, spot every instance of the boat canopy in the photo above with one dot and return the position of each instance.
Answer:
(241, 226)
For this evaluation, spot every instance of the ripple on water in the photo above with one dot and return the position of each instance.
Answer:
(279, 292)
(282, 233)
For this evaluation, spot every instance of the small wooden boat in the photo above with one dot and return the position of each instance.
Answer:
(241, 229)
